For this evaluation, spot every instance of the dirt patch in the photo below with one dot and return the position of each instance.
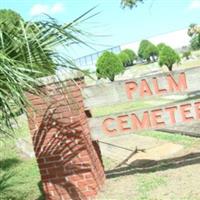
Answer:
(133, 148)
(156, 175)
(164, 151)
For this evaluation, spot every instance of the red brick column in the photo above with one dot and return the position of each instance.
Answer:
(69, 165)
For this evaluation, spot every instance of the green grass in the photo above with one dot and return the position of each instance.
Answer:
(123, 107)
(146, 183)
(128, 106)
(19, 178)
(145, 68)
(190, 63)
(109, 163)
(176, 138)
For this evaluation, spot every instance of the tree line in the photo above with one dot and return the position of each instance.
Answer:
(109, 64)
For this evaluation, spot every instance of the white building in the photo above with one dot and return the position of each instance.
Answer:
(176, 40)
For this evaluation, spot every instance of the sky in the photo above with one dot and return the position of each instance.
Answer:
(113, 25)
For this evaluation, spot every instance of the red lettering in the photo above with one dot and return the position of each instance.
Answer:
(156, 116)
(197, 109)
(105, 126)
(145, 89)
(156, 87)
(186, 113)
(130, 88)
(174, 86)
(123, 122)
(140, 124)
(171, 111)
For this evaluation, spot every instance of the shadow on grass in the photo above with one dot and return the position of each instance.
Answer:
(41, 197)
(7, 186)
(6, 164)
(148, 166)
(8, 190)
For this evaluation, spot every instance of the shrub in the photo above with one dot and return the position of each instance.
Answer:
(186, 54)
(124, 58)
(168, 57)
(108, 66)
(132, 56)
(147, 50)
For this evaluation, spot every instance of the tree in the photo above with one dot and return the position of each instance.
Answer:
(130, 3)
(160, 46)
(108, 66)
(193, 29)
(131, 54)
(168, 57)
(10, 16)
(195, 42)
(24, 36)
(22, 49)
(147, 51)
(186, 54)
(194, 33)
(124, 58)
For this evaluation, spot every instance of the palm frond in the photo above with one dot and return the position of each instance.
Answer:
(29, 51)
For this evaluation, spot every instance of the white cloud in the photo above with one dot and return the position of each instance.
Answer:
(57, 7)
(38, 9)
(195, 4)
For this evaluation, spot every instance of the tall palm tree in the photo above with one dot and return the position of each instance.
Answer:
(29, 50)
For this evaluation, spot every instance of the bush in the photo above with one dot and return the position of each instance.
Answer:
(168, 57)
(124, 58)
(132, 56)
(186, 54)
(147, 51)
(108, 66)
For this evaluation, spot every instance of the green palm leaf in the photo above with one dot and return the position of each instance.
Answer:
(29, 51)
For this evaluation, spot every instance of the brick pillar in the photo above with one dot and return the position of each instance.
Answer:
(69, 165)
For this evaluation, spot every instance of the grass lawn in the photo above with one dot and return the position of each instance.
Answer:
(147, 183)
(129, 106)
(184, 140)
(137, 70)
(19, 178)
